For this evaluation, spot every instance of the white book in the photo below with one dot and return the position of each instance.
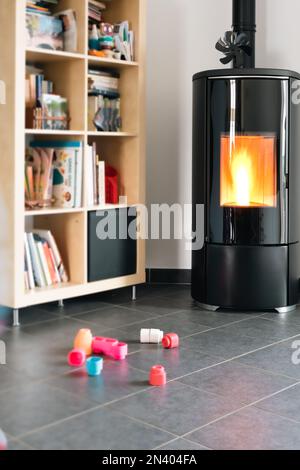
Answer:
(89, 176)
(64, 177)
(29, 263)
(44, 263)
(37, 268)
(78, 176)
(101, 183)
(47, 235)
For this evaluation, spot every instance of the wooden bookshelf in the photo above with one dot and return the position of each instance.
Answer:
(124, 150)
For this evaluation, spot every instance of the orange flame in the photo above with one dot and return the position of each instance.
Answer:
(248, 171)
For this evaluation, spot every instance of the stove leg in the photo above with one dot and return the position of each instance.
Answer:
(133, 298)
(60, 304)
(16, 318)
(291, 308)
(210, 308)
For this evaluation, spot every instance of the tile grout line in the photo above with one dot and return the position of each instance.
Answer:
(253, 404)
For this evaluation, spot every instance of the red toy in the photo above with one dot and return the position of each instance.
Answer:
(76, 358)
(170, 341)
(110, 347)
(158, 376)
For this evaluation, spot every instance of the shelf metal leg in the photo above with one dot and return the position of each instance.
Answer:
(16, 318)
(133, 298)
(61, 304)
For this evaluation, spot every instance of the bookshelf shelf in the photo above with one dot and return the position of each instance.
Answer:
(116, 64)
(125, 151)
(111, 134)
(51, 211)
(53, 133)
(48, 56)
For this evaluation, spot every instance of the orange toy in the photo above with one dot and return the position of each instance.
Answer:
(83, 341)
(158, 376)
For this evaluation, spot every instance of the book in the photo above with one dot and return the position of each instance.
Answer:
(50, 263)
(89, 176)
(36, 265)
(44, 31)
(78, 176)
(101, 183)
(47, 235)
(31, 282)
(42, 258)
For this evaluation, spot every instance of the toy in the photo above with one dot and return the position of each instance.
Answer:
(84, 341)
(151, 336)
(94, 366)
(77, 358)
(158, 376)
(110, 347)
(3, 441)
(170, 341)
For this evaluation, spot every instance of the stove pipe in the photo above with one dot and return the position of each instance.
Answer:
(244, 21)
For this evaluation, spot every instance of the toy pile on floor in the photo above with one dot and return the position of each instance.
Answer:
(89, 349)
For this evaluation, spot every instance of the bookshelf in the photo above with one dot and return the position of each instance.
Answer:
(124, 150)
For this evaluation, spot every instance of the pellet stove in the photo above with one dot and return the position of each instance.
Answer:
(246, 173)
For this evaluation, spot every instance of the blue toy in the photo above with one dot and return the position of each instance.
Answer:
(94, 366)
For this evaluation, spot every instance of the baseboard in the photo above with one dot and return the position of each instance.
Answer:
(168, 276)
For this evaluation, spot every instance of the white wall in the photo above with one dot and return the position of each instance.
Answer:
(181, 39)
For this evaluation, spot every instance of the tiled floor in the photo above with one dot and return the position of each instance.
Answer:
(231, 385)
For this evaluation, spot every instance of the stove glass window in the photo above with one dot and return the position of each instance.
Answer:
(248, 170)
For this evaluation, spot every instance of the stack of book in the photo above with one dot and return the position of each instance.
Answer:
(40, 7)
(102, 181)
(44, 109)
(43, 263)
(95, 12)
(104, 101)
(54, 174)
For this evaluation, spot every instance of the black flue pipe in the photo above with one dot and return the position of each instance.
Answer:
(244, 21)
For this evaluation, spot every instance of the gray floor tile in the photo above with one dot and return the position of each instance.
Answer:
(276, 358)
(10, 378)
(114, 317)
(116, 381)
(269, 330)
(178, 362)
(159, 305)
(290, 319)
(14, 445)
(174, 323)
(98, 430)
(175, 407)
(30, 406)
(250, 429)
(224, 343)
(286, 404)
(75, 306)
(182, 444)
(245, 383)
(215, 319)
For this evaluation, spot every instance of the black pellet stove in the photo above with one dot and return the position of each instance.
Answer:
(246, 173)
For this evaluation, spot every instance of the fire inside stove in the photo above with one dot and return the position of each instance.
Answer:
(248, 171)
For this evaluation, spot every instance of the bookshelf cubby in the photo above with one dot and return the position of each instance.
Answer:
(123, 150)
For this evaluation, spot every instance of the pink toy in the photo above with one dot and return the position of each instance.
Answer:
(76, 358)
(158, 376)
(170, 341)
(110, 347)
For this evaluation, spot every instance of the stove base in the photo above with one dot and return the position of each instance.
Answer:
(209, 308)
(286, 309)
(252, 278)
